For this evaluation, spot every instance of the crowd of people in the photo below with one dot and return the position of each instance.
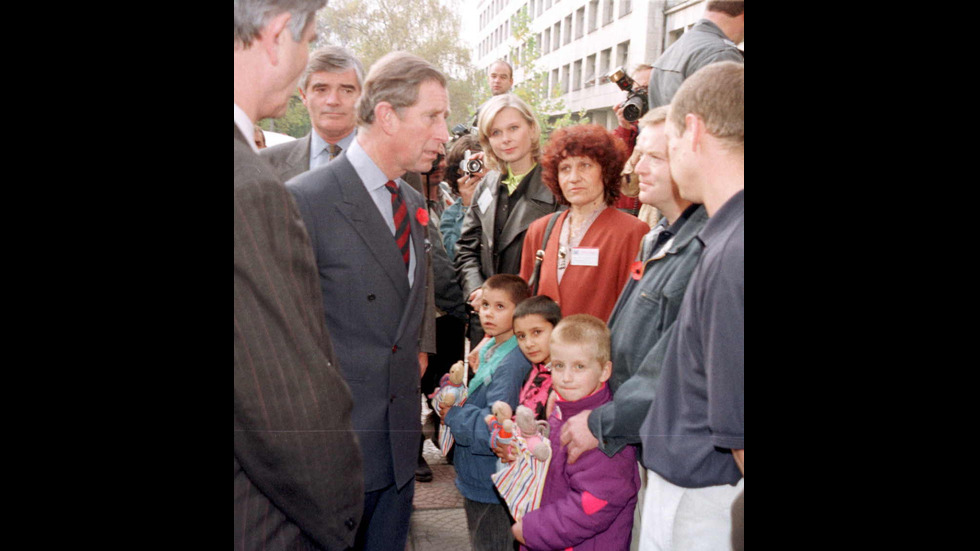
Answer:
(597, 276)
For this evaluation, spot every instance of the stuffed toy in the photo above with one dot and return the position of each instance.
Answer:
(451, 390)
(535, 433)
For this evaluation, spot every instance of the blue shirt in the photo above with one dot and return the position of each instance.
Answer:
(374, 181)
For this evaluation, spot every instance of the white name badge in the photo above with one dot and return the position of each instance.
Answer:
(583, 256)
(485, 199)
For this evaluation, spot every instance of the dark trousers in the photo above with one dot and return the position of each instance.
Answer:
(387, 516)
(489, 525)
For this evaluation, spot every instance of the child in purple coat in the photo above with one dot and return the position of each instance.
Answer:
(587, 505)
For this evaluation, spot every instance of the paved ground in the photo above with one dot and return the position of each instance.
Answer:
(438, 522)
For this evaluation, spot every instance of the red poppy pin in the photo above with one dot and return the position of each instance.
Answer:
(422, 216)
(637, 270)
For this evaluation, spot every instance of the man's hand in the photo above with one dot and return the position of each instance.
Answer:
(423, 363)
(474, 356)
(518, 530)
(619, 115)
(576, 435)
(474, 299)
(740, 459)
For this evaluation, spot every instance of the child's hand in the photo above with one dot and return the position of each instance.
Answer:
(518, 530)
(443, 409)
(505, 452)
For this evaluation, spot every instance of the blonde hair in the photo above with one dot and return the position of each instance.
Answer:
(584, 329)
(490, 111)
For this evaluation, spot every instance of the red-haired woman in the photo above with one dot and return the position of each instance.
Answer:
(592, 245)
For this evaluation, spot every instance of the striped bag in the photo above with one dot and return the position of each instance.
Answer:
(522, 483)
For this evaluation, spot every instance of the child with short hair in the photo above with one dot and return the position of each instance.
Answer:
(500, 376)
(588, 504)
(534, 320)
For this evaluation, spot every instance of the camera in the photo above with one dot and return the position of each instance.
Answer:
(469, 165)
(636, 104)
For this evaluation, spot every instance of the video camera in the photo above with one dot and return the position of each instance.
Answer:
(636, 104)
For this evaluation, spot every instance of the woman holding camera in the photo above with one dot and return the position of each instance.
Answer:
(463, 183)
(592, 245)
(506, 200)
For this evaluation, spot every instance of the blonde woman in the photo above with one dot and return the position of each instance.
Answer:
(506, 200)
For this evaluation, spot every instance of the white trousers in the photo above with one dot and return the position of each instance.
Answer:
(687, 519)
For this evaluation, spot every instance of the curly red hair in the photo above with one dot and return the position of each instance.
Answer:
(585, 140)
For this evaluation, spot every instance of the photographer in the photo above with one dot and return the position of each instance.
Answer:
(463, 184)
(628, 130)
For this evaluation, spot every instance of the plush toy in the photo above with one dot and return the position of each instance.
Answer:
(451, 390)
(501, 425)
(534, 432)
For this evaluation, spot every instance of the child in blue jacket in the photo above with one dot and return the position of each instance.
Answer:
(500, 376)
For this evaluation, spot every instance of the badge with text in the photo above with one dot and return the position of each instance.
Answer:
(585, 256)
(485, 199)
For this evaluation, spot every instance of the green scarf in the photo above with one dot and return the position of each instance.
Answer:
(489, 365)
(514, 180)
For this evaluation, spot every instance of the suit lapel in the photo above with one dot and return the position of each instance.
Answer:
(536, 204)
(358, 207)
(299, 158)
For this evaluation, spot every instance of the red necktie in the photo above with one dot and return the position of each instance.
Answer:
(402, 231)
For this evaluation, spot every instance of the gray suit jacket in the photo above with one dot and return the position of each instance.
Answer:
(298, 481)
(478, 256)
(373, 315)
(289, 159)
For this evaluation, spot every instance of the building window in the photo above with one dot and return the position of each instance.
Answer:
(623, 54)
(580, 22)
(564, 79)
(554, 83)
(556, 36)
(593, 15)
(590, 71)
(568, 29)
(625, 7)
(605, 61)
(577, 75)
(546, 40)
(607, 12)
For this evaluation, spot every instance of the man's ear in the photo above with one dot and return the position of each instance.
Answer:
(385, 117)
(695, 125)
(271, 36)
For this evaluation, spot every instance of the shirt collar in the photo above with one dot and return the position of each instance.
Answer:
(318, 144)
(246, 127)
(733, 209)
(366, 169)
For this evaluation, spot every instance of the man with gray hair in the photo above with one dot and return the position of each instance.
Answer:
(329, 88)
(368, 228)
(298, 482)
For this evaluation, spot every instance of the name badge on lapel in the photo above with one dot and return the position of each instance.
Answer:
(585, 256)
(485, 199)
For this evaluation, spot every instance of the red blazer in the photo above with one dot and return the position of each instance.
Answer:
(586, 289)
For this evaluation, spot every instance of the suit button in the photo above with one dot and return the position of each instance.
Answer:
(349, 523)
(392, 399)
(371, 297)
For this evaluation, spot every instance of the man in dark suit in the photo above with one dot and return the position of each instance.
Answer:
(298, 481)
(330, 87)
(369, 238)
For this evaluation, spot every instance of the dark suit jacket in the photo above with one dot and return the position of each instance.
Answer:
(373, 315)
(289, 159)
(477, 255)
(297, 464)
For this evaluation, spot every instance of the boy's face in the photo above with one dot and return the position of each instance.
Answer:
(497, 313)
(575, 371)
(534, 336)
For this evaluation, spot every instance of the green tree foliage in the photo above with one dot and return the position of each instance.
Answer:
(372, 28)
